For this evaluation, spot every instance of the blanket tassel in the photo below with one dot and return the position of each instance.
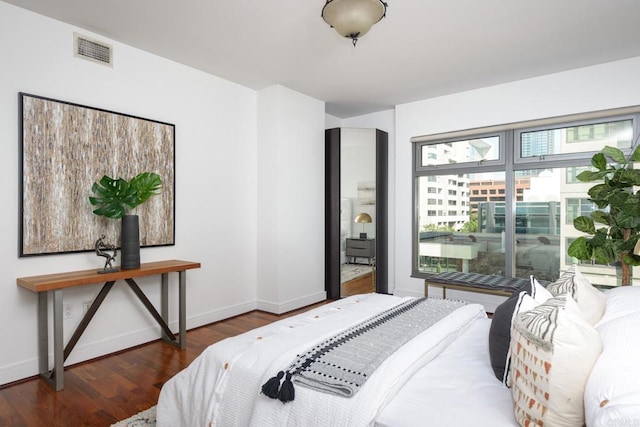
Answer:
(287, 392)
(271, 387)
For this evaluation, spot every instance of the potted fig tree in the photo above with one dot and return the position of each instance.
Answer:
(613, 229)
(114, 198)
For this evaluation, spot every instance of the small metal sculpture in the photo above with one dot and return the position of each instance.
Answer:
(101, 250)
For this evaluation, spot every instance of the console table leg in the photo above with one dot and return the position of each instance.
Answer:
(87, 318)
(164, 302)
(43, 334)
(152, 310)
(182, 302)
(58, 345)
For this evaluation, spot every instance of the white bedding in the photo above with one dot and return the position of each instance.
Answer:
(221, 387)
(458, 388)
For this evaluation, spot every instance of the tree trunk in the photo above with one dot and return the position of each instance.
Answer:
(626, 280)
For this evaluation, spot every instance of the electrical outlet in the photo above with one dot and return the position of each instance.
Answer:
(67, 312)
(85, 306)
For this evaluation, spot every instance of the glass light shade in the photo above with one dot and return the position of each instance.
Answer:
(353, 18)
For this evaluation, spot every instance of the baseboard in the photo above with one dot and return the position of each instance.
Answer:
(84, 352)
(217, 315)
(283, 307)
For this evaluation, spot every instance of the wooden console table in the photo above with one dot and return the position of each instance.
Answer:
(55, 283)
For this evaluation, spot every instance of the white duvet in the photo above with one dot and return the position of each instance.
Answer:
(222, 386)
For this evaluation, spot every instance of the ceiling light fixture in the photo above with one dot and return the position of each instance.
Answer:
(353, 18)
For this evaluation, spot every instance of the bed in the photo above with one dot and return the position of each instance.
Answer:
(437, 371)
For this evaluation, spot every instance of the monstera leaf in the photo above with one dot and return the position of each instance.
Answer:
(114, 197)
(145, 185)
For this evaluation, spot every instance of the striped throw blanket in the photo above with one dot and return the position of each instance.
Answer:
(341, 364)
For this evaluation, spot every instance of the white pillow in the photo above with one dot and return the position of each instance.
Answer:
(590, 300)
(539, 292)
(553, 349)
(621, 301)
(612, 395)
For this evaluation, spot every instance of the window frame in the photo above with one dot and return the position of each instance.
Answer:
(510, 161)
(417, 152)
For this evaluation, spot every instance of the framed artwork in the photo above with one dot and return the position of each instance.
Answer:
(64, 149)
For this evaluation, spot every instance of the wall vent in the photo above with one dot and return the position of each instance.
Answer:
(92, 50)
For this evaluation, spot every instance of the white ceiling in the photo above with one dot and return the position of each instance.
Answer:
(422, 49)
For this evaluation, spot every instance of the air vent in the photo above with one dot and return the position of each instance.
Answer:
(92, 50)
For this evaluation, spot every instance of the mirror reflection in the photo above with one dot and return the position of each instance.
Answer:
(357, 211)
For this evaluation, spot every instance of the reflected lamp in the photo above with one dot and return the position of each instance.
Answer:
(363, 218)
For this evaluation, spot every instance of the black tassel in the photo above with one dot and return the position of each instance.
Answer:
(287, 392)
(271, 387)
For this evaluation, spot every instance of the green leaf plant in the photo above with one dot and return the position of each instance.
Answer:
(114, 197)
(612, 230)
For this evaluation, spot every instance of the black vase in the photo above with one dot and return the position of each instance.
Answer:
(130, 243)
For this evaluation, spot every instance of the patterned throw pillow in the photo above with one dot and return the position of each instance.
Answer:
(529, 297)
(590, 300)
(553, 350)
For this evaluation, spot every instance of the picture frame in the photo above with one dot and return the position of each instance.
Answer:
(65, 148)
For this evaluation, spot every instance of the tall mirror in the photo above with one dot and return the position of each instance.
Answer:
(356, 211)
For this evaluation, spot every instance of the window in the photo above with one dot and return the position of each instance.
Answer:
(481, 149)
(521, 223)
(573, 172)
(578, 207)
(614, 133)
(580, 141)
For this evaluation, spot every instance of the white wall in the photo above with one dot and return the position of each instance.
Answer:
(216, 188)
(290, 200)
(610, 85)
(331, 122)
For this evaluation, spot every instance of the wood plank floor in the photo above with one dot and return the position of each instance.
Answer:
(106, 390)
(359, 285)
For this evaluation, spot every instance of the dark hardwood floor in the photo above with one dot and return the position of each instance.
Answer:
(103, 391)
(359, 285)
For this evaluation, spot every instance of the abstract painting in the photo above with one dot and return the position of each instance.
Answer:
(64, 149)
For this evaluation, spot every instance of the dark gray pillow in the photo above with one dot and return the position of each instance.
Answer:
(500, 332)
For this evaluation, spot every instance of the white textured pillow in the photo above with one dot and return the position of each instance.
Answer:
(621, 301)
(590, 300)
(612, 395)
(553, 351)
